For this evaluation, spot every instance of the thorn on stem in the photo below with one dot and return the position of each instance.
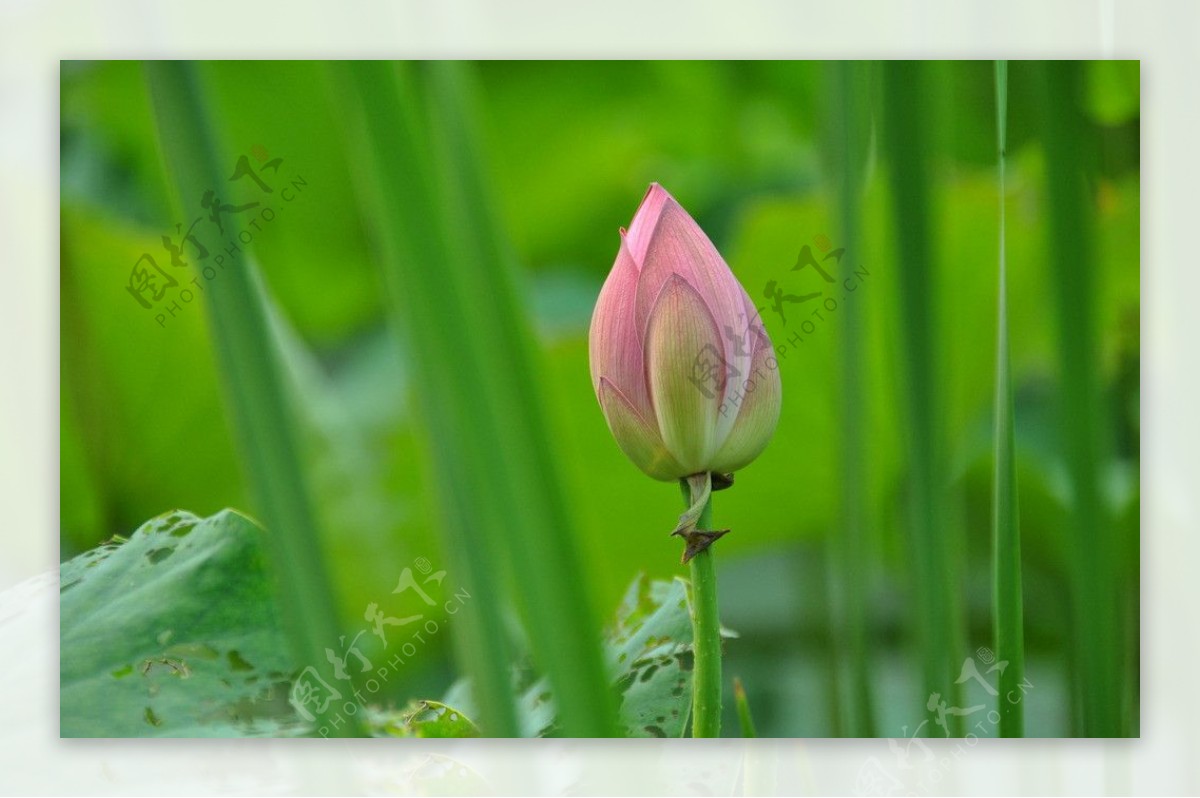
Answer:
(698, 540)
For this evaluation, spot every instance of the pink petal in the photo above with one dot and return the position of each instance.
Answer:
(641, 229)
(678, 246)
(753, 404)
(745, 339)
(614, 345)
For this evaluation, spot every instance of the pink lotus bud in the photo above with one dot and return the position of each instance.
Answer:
(678, 353)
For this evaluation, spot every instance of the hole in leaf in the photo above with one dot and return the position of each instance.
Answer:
(626, 681)
(174, 667)
(155, 556)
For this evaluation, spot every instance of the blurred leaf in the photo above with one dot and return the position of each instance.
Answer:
(79, 516)
(647, 649)
(320, 272)
(173, 633)
(719, 133)
(1113, 91)
(422, 719)
(109, 155)
(143, 445)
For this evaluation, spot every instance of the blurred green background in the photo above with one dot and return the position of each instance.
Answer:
(569, 149)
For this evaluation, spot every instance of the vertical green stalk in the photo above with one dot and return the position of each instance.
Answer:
(259, 406)
(745, 719)
(545, 565)
(938, 617)
(1007, 605)
(706, 634)
(848, 91)
(1096, 622)
(454, 286)
(399, 196)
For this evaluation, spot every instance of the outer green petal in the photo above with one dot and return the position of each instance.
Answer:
(756, 402)
(686, 372)
(638, 438)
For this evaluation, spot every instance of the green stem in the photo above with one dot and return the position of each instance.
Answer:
(938, 618)
(1006, 532)
(850, 574)
(1082, 412)
(743, 709)
(257, 396)
(403, 202)
(706, 637)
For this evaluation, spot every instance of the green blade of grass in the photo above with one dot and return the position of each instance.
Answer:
(1007, 604)
(260, 408)
(454, 284)
(938, 615)
(848, 84)
(399, 195)
(745, 719)
(552, 584)
(1096, 623)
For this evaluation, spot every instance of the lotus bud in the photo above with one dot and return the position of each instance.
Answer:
(678, 353)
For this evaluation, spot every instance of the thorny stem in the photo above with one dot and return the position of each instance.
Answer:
(706, 626)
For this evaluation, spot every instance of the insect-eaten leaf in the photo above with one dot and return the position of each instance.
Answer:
(173, 633)
(422, 719)
(648, 647)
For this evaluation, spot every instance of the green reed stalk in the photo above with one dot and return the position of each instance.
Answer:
(259, 406)
(936, 573)
(1096, 622)
(1007, 605)
(851, 577)
(545, 566)
(399, 195)
(745, 719)
(485, 423)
